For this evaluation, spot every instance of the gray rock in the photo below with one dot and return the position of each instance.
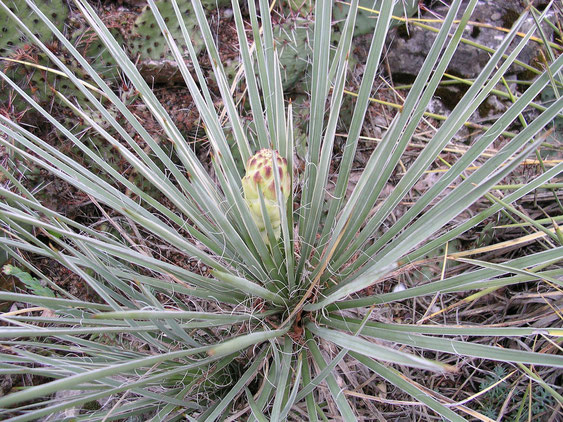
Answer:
(408, 49)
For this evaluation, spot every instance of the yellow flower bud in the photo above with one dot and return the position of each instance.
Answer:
(260, 177)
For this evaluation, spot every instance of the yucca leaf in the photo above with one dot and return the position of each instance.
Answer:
(396, 379)
(248, 375)
(340, 399)
(456, 347)
(377, 351)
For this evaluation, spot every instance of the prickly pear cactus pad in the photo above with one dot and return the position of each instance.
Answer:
(260, 178)
(303, 7)
(365, 21)
(11, 38)
(92, 48)
(34, 76)
(148, 41)
(294, 39)
(148, 46)
(15, 45)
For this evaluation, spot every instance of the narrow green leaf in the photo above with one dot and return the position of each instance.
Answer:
(280, 398)
(508, 269)
(242, 342)
(250, 287)
(339, 398)
(256, 412)
(245, 378)
(52, 303)
(356, 285)
(376, 351)
(67, 383)
(461, 282)
(456, 347)
(398, 380)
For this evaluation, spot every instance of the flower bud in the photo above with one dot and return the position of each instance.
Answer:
(260, 177)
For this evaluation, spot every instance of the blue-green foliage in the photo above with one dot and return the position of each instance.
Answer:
(494, 399)
(33, 285)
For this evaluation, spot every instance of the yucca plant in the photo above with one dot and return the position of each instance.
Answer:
(286, 325)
